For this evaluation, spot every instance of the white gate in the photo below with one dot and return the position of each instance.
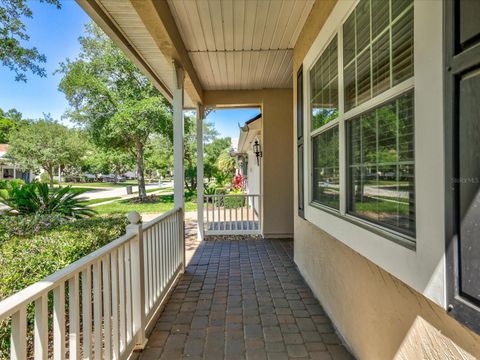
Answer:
(233, 214)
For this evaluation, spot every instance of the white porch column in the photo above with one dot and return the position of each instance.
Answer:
(14, 171)
(178, 135)
(200, 116)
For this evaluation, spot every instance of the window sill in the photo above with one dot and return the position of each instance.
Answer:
(398, 238)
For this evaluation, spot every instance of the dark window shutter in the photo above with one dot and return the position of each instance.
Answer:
(462, 130)
(300, 162)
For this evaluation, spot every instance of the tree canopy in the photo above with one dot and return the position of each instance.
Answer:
(9, 121)
(46, 144)
(115, 103)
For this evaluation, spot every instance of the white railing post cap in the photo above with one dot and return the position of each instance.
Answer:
(134, 217)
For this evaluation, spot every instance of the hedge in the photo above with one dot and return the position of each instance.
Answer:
(27, 259)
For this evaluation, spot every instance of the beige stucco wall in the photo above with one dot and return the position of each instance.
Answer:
(277, 141)
(379, 316)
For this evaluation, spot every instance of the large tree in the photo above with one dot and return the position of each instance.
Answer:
(100, 161)
(46, 144)
(14, 54)
(109, 96)
(213, 149)
(9, 121)
(159, 156)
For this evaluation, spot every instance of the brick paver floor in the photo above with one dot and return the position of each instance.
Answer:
(243, 299)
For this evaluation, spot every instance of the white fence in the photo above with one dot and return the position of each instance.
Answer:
(233, 214)
(104, 303)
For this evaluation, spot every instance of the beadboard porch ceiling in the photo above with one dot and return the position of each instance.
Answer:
(241, 44)
(221, 44)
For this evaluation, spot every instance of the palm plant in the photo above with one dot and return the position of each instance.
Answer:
(38, 198)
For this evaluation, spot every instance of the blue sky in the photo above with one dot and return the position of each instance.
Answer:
(226, 121)
(55, 33)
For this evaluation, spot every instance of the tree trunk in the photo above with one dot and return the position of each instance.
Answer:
(50, 174)
(142, 193)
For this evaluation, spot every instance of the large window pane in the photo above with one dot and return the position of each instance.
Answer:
(381, 165)
(324, 87)
(349, 81)
(362, 24)
(381, 64)
(380, 16)
(363, 77)
(402, 48)
(325, 181)
(399, 6)
(377, 49)
(349, 39)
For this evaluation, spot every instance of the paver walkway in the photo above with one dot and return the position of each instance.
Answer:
(243, 299)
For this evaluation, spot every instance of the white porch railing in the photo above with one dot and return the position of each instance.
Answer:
(104, 303)
(233, 214)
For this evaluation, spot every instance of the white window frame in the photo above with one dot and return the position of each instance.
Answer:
(420, 264)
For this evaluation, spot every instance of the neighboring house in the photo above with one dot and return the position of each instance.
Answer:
(248, 165)
(9, 170)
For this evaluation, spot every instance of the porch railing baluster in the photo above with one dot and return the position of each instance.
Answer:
(123, 283)
(232, 223)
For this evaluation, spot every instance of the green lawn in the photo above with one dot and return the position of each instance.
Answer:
(79, 190)
(98, 201)
(125, 206)
(102, 184)
(154, 189)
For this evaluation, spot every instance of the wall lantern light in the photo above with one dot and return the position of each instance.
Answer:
(257, 151)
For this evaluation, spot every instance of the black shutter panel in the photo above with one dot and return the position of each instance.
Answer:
(462, 134)
(301, 199)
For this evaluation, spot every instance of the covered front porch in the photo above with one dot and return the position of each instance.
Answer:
(243, 299)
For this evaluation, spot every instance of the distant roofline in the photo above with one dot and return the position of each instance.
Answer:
(253, 119)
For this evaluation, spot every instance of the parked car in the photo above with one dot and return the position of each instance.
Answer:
(113, 178)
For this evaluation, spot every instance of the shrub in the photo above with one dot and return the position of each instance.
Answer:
(235, 201)
(15, 182)
(25, 260)
(22, 225)
(238, 181)
(6, 184)
(209, 190)
(38, 198)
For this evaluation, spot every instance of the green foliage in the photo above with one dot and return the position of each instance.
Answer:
(212, 151)
(13, 37)
(9, 121)
(159, 156)
(101, 200)
(112, 161)
(38, 198)
(27, 259)
(209, 189)
(108, 95)
(226, 168)
(46, 144)
(45, 178)
(5, 184)
(322, 116)
(234, 202)
(14, 225)
(161, 204)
